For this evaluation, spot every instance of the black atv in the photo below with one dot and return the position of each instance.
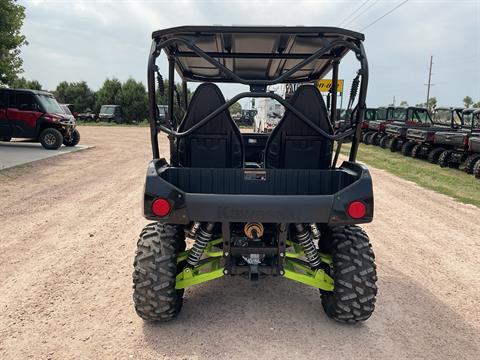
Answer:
(282, 209)
(459, 149)
(424, 139)
(414, 117)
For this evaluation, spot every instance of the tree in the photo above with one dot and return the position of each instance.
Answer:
(467, 101)
(403, 103)
(11, 39)
(22, 83)
(235, 108)
(76, 93)
(134, 101)
(432, 103)
(477, 104)
(109, 94)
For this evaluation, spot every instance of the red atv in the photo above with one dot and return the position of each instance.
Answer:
(33, 114)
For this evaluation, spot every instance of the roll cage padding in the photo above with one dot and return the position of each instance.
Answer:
(216, 144)
(293, 144)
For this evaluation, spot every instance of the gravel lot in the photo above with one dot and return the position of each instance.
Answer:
(68, 230)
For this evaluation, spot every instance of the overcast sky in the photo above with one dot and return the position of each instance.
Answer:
(77, 40)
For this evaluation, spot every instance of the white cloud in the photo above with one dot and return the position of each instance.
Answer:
(91, 40)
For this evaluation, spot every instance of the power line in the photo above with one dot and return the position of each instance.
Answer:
(361, 13)
(381, 17)
(353, 12)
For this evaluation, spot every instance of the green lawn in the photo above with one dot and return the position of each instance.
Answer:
(452, 182)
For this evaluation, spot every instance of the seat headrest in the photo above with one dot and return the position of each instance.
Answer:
(206, 99)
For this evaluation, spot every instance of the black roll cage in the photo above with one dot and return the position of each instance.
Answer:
(257, 87)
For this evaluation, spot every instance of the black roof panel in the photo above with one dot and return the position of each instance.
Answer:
(255, 52)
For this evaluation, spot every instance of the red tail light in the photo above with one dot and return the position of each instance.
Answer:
(356, 209)
(161, 207)
(465, 142)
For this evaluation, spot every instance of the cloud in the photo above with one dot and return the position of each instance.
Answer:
(91, 40)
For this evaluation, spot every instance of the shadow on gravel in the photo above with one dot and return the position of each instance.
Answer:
(274, 318)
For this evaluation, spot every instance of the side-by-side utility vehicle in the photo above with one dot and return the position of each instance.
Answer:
(413, 117)
(110, 113)
(32, 114)
(376, 129)
(425, 146)
(284, 209)
(461, 146)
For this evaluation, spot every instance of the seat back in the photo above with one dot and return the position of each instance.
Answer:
(218, 143)
(295, 145)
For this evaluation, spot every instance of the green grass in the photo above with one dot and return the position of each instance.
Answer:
(452, 182)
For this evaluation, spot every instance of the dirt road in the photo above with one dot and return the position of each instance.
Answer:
(68, 230)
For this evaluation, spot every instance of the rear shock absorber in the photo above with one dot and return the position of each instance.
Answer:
(190, 233)
(306, 240)
(203, 236)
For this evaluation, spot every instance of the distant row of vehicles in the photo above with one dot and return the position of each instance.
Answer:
(449, 137)
(107, 113)
(245, 118)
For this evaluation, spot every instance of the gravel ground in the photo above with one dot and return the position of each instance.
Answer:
(68, 230)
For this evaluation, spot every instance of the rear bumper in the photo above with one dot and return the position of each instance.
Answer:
(244, 200)
(417, 135)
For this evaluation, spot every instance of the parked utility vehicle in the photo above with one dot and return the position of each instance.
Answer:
(414, 117)
(376, 128)
(110, 113)
(424, 138)
(290, 211)
(459, 149)
(33, 114)
(345, 119)
(88, 115)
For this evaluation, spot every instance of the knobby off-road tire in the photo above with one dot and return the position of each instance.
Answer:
(383, 142)
(74, 140)
(354, 274)
(476, 169)
(416, 151)
(51, 139)
(444, 158)
(155, 270)
(392, 144)
(376, 139)
(434, 154)
(407, 148)
(470, 162)
(364, 136)
(369, 138)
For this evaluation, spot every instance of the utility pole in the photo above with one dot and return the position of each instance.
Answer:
(429, 79)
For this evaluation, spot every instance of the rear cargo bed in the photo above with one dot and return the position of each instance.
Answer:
(258, 181)
(265, 195)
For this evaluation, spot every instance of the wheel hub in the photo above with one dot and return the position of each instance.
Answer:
(50, 139)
